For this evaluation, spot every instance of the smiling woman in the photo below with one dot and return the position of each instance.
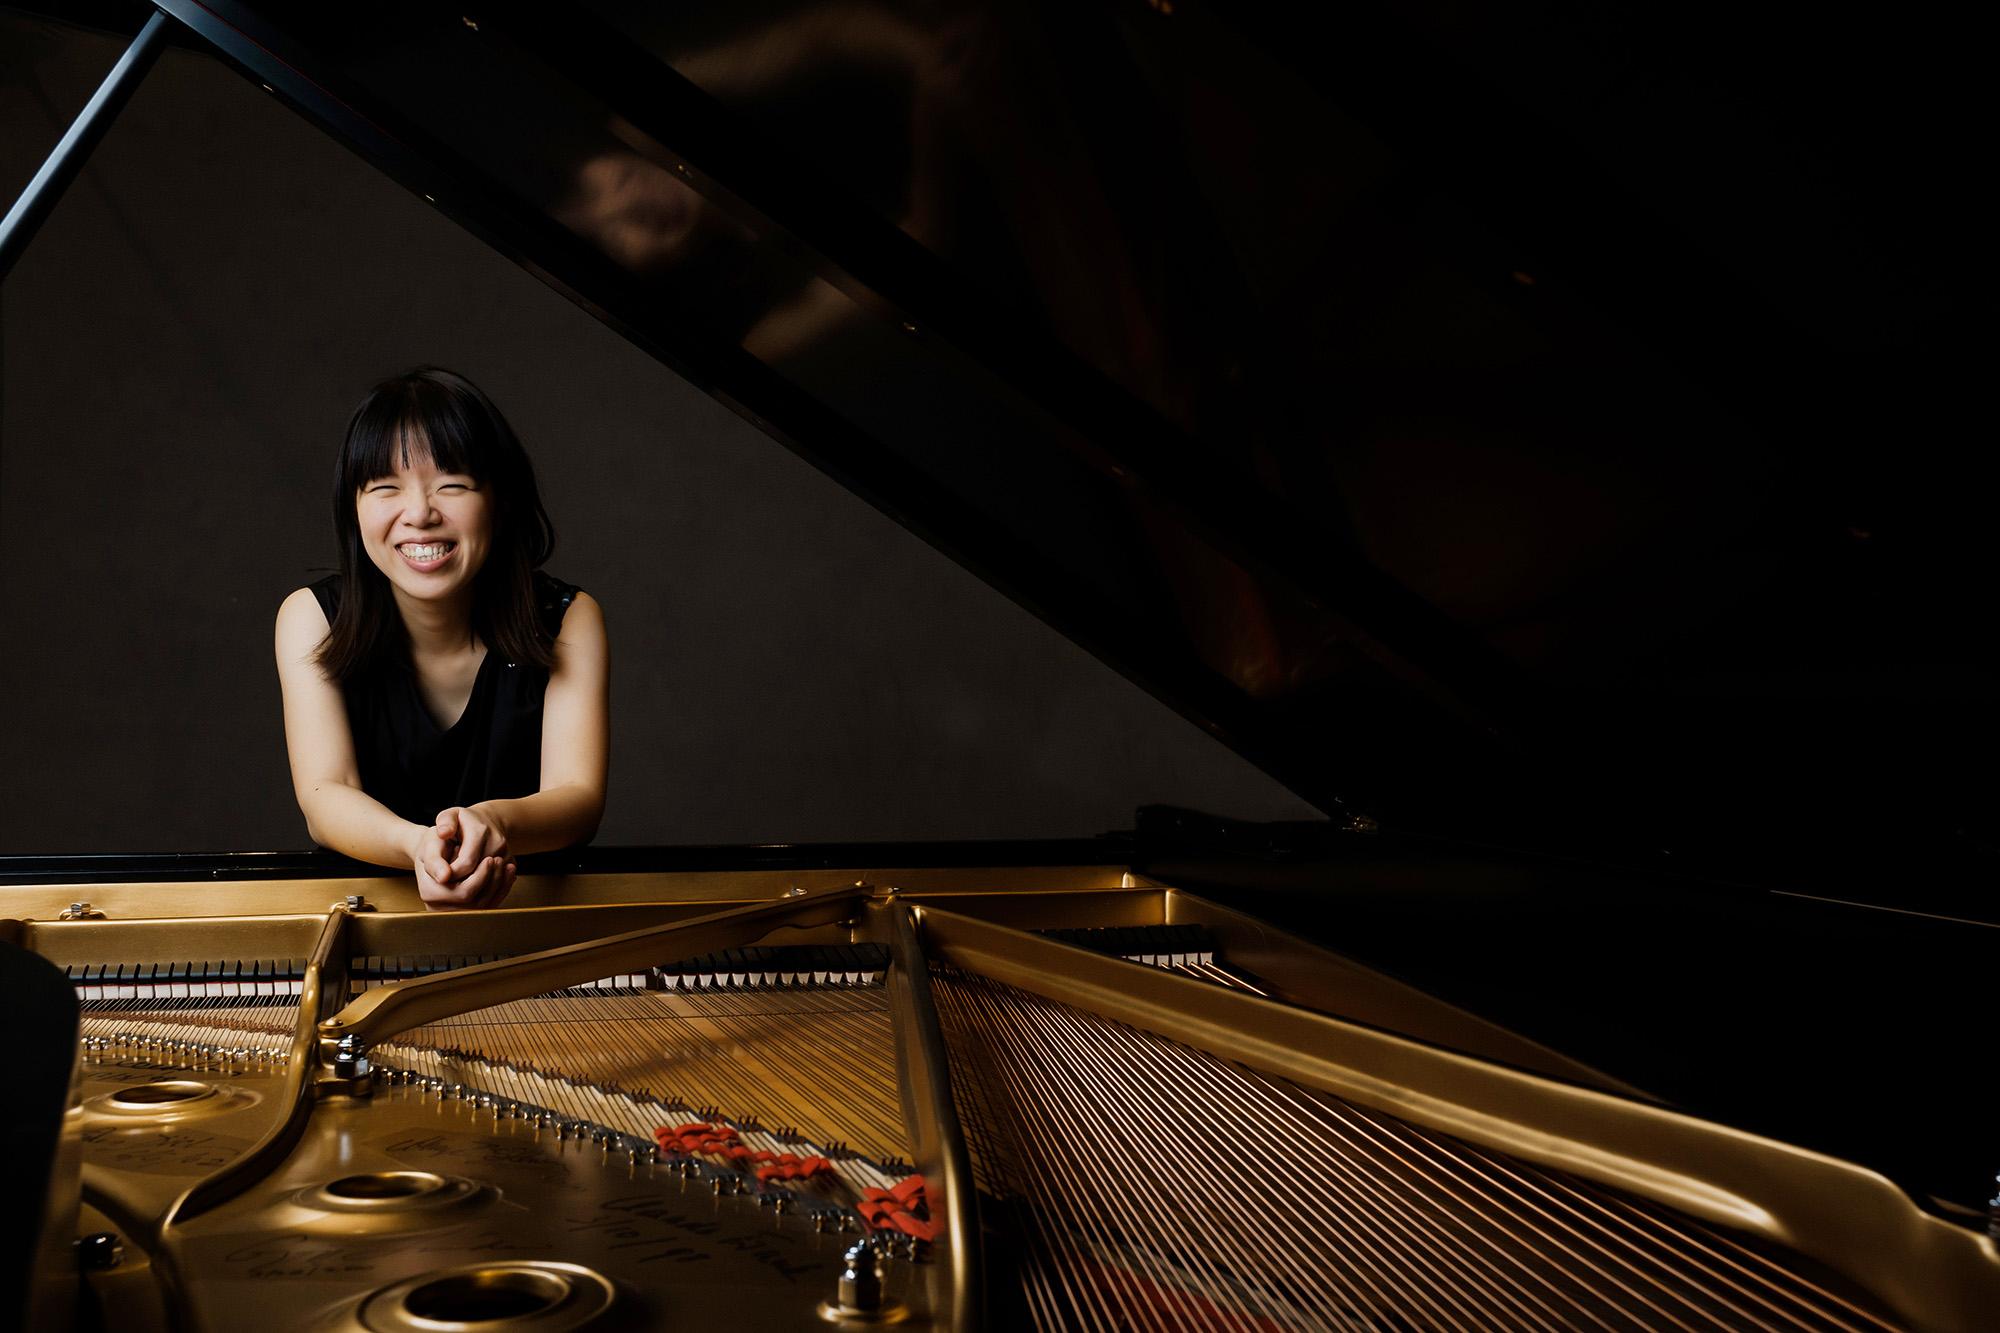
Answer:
(445, 699)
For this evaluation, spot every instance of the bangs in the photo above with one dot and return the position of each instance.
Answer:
(415, 421)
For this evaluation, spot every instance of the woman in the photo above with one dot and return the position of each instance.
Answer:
(445, 700)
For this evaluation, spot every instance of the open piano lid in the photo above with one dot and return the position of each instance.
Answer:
(1412, 410)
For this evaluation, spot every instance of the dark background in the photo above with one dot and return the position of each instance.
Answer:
(179, 351)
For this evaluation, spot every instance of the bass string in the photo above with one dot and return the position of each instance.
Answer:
(1286, 1209)
(1195, 1205)
(1677, 1251)
(1494, 1246)
(1641, 1259)
(1379, 1228)
(1548, 1231)
(1733, 1254)
(1079, 1169)
(1201, 1162)
(1220, 975)
(1065, 1197)
(1480, 1234)
(1355, 1297)
(1364, 1215)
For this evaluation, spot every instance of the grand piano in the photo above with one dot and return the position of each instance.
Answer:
(1399, 403)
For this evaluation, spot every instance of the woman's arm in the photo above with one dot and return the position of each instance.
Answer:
(325, 777)
(576, 727)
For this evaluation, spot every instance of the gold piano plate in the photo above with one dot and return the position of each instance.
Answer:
(531, 1297)
(166, 1099)
(308, 1247)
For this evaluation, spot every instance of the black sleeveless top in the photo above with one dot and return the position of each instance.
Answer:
(492, 752)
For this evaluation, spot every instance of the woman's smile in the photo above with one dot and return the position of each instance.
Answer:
(424, 557)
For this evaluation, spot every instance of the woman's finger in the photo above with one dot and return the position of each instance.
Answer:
(503, 884)
(431, 862)
(472, 886)
(475, 845)
(440, 896)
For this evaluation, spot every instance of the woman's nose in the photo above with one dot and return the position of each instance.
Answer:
(418, 511)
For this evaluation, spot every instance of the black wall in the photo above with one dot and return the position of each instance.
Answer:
(179, 351)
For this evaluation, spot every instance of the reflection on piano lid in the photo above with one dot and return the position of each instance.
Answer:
(1228, 379)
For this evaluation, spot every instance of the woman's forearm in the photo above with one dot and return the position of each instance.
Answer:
(355, 824)
(559, 817)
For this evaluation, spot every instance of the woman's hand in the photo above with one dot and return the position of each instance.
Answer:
(462, 860)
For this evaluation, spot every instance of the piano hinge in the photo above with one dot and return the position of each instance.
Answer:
(79, 912)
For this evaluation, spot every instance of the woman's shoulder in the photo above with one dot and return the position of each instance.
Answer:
(553, 599)
(315, 603)
(302, 624)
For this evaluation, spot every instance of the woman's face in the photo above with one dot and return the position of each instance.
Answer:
(427, 531)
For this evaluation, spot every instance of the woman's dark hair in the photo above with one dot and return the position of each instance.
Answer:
(436, 410)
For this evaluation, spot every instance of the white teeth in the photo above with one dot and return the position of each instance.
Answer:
(421, 554)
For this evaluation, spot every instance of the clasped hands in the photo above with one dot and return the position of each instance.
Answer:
(462, 860)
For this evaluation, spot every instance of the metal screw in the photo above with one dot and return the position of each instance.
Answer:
(350, 1058)
(99, 1250)
(860, 1282)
